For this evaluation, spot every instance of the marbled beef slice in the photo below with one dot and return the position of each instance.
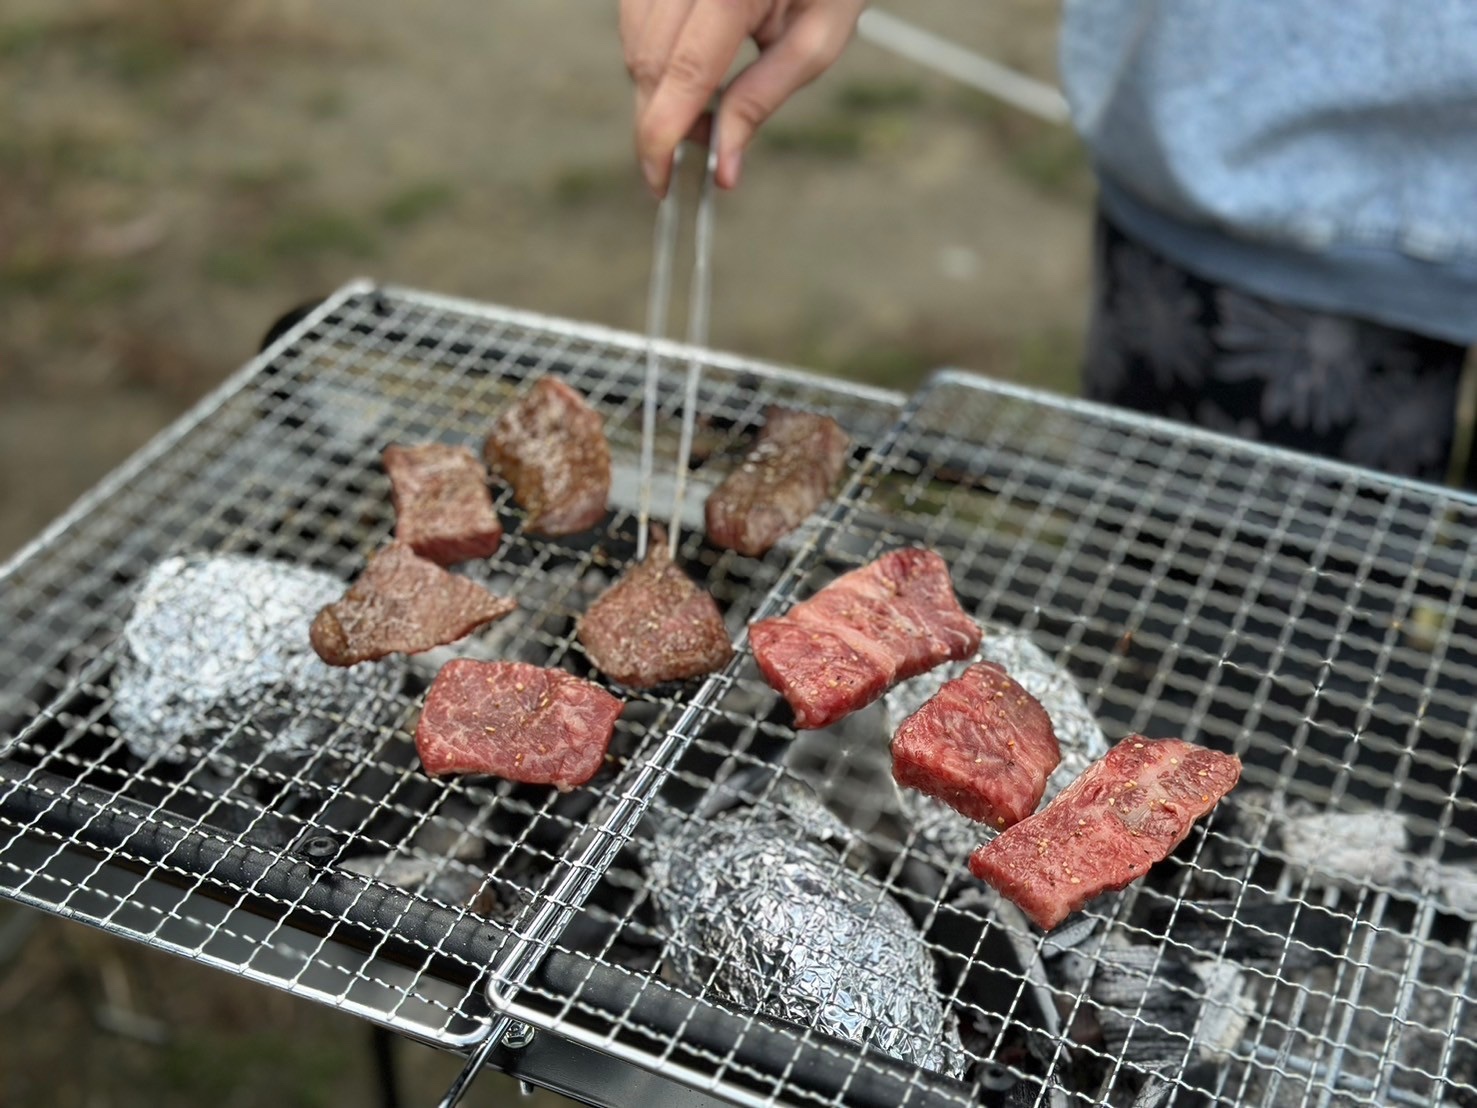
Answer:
(516, 721)
(1128, 811)
(982, 744)
(850, 642)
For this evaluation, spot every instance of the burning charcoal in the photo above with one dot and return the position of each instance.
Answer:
(215, 656)
(1078, 735)
(1157, 1007)
(771, 920)
(1268, 933)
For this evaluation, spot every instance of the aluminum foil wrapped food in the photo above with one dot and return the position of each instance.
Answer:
(1081, 738)
(766, 916)
(216, 660)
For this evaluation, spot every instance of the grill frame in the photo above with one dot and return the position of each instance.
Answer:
(1086, 513)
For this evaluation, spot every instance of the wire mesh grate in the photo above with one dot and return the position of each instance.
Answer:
(339, 872)
(1312, 942)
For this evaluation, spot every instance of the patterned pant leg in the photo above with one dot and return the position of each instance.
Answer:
(1164, 341)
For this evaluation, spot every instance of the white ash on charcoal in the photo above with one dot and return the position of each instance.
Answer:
(1160, 1007)
(1356, 850)
(1077, 731)
(215, 662)
(1350, 849)
(760, 914)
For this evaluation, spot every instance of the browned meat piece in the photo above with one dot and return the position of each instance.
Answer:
(515, 721)
(868, 629)
(442, 507)
(402, 604)
(784, 478)
(550, 446)
(982, 744)
(654, 625)
(1107, 828)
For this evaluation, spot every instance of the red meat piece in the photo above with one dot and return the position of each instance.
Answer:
(516, 721)
(982, 744)
(443, 510)
(1129, 810)
(849, 643)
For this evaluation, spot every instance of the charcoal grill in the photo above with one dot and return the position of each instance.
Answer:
(1317, 620)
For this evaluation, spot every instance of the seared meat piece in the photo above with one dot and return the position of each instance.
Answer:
(845, 646)
(1128, 811)
(550, 446)
(402, 604)
(654, 625)
(515, 721)
(983, 745)
(443, 510)
(786, 475)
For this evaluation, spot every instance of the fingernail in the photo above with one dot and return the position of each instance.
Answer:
(652, 171)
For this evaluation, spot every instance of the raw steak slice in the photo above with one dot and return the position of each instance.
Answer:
(515, 721)
(782, 479)
(654, 625)
(849, 643)
(443, 510)
(1129, 810)
(402, 604)
(983, 745)
(550, 446)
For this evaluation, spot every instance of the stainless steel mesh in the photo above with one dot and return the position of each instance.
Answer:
(1311, 943)
(286, 873)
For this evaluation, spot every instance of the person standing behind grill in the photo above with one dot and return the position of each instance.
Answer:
(1286, 240)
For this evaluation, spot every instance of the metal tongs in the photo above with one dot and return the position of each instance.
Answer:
(504, 1030)
(664, 251)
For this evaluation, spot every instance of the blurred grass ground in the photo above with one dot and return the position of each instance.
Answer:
(175, 174)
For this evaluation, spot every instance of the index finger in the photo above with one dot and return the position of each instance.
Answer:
(704, 51)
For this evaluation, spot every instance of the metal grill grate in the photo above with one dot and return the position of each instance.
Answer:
(1316, 620)
(296, 860)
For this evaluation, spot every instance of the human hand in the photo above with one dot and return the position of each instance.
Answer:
(678, 52)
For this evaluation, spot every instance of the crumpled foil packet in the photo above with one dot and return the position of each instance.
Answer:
(1081, 738)
(216, 658)
(770, 919)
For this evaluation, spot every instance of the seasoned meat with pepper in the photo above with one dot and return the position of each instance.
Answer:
(780, 482)
(1106, 829)
(550, 446)
(982, 744)
(515, 721)
(402, 604)
(443, 510)
(655, 625)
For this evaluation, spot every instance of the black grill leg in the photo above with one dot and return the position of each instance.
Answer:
(382, 1046)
